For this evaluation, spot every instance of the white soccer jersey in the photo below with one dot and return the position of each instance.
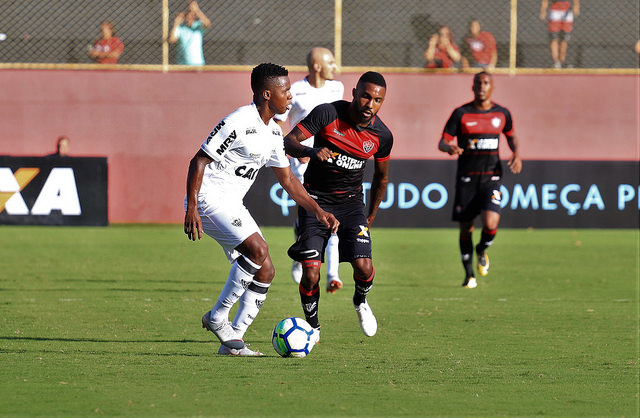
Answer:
(240, 145)
(305, 99)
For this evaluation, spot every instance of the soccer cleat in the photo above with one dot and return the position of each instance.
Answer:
(296, 271)
(333, 285)
(470, 283)
(367, 319)
(244, 351)
(483, 264)
(316, 335)
(224, 331)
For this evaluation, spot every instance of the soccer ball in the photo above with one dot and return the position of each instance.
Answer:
(293, 337)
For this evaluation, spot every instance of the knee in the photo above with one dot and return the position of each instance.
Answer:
(363, 268)
(310, 277)
(258, 252)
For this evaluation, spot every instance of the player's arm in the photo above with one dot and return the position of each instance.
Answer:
(449, 146)
(378, 188)
(293, 146)
(292, 185)
(192, 221)
(576, 8)
(515, 163)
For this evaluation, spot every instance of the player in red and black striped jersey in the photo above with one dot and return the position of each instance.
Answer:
(477, 125)
(346, 135)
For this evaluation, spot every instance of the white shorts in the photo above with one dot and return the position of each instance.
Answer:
(229, 226)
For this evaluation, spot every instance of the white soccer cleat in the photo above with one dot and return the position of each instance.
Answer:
(367, 319)
(224, 331)
(296, 271)
(244, 351)
(316, 336)
(470, 283)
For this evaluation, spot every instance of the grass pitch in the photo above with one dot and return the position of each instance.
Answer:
(107, 321)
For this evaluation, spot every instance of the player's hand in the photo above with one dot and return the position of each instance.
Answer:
(454, 150)
(328, 220)
(179, 19)
(515, 164)
(320, 154)
(192, 224)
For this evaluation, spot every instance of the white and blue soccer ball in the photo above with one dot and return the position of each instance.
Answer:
(294, 337)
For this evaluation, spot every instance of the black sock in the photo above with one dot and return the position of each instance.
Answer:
(486, 239)
(466, 254)
(363, 286)
(309, 300)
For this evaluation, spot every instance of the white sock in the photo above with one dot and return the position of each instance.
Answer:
(240, 276)
(333, 258)
(249, 306)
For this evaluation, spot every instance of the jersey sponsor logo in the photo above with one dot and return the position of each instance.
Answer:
(251, 130)
(345, 161)
(337, 132)
(276, 132)
(225, 144)
(215, 131)
(368, 145)
(472, 123)
(496, 122)
(246, 172)
(483, 143)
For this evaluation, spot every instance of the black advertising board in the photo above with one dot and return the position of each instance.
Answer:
(547, 194)
(53, 191)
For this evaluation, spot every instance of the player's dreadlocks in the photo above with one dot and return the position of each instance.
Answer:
(264, 72)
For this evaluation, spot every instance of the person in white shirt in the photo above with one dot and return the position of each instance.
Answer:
(316, 88)
(220, 174)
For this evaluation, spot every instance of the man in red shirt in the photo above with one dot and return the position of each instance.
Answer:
(479, 48)
(109, 47)
(477, 126)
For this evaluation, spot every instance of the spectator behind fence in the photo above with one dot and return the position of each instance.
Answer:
(109, 47)
(560, 18)
(63, 144)
(188, 29)
(479, 48)
(442, 52)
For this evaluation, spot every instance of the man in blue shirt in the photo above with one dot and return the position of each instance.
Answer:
(187, 30)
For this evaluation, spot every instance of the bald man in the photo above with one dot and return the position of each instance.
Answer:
(316, 88)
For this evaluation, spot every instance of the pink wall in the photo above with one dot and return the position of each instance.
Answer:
(150, 124)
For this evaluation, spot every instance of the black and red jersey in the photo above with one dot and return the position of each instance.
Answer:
(478, 132)
(341, 176)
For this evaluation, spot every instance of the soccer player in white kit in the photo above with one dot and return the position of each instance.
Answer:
(316, 88)
(220, 174)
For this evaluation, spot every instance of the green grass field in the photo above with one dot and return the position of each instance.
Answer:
(106, 321)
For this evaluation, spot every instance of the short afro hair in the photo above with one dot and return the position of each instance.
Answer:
(373, 78)
(263, 73)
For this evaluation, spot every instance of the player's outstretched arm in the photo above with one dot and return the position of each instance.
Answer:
(293, 147)
(378, 188)
(192, 221)
(292, 185)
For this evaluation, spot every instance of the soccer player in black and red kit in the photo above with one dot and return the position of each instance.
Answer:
(477, 125)
(346, 135)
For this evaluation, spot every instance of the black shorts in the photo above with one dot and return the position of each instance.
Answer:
(475, 194)
(353, 233)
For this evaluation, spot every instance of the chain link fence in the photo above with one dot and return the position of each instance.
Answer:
(363, 33)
